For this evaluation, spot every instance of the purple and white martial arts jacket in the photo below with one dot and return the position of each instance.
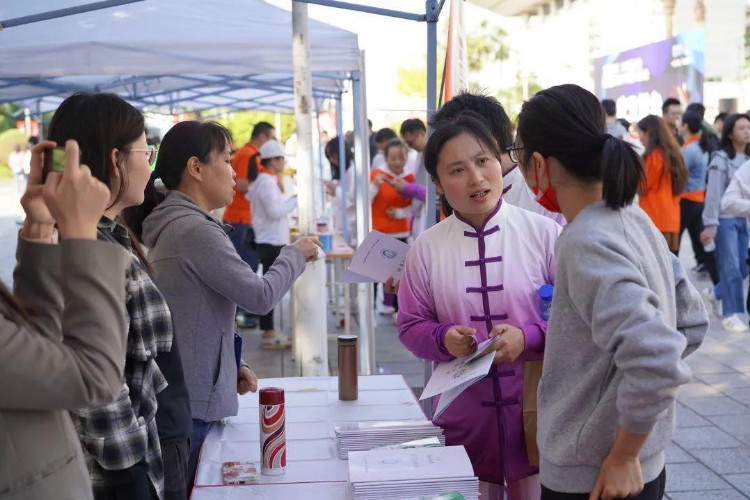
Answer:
(458, 274)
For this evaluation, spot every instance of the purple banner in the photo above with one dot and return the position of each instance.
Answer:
(640, 79)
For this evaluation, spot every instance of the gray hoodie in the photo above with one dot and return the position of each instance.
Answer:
(721, 170)
(203, 279)
(623, 317)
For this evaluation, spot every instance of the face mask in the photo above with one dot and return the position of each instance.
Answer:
(548, 197)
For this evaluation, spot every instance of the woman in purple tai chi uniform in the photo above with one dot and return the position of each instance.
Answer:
(473, 276)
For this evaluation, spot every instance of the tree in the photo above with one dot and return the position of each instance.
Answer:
(7, 118)
(514, 96)
(241, 124)
(412, 81)
(669, 6)
(486, 46)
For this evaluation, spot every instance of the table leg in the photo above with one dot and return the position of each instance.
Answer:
(347, 307)
(335, 284)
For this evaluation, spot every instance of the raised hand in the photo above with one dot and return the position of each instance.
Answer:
(39, 222)
(75, 198)
(309, 247)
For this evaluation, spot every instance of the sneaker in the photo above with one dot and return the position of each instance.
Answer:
(700, 269)
(278, 342)
(386, 310)
(734, 324)
(714, 304)
(245, 321)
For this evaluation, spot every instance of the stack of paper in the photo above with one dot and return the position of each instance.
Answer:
(369, 435)
(421, 472)
(450, 379)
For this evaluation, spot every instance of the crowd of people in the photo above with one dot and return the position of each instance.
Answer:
(128, 290)
(139, 348)
(689, 167)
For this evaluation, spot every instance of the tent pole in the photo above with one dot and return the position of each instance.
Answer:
(41, 119)
(321, 188)
(342, 167)
(433, 214)
(432, 18)
(55, 14)
(362, 180)
(27, 120)
(309, 292)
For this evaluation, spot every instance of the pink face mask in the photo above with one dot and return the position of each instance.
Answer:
(548, 197)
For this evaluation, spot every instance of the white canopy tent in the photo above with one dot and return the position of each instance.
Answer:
(212, 53)
(165, 54)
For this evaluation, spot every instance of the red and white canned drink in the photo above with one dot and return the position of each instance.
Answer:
(272, 431)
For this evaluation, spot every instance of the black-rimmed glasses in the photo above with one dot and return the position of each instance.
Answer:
(513, 153)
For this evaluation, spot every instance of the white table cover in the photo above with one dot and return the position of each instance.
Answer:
(273, 492)
(312, 410)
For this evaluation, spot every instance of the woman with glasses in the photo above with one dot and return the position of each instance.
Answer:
(62, 332)
(120, 439)
(623, 317)
(494, 117)
(727, 232)
(201, 274)
(475, 275)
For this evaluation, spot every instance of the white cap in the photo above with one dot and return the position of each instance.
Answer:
(272, 149)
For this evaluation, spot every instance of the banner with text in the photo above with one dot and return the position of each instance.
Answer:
(640, 79)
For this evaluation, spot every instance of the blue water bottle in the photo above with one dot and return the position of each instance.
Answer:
(545, 300)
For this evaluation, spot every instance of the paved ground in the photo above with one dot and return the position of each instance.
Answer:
(709, 458)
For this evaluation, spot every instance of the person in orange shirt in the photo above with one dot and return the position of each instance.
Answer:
(391, 211)
(666, 177)
(238, 214)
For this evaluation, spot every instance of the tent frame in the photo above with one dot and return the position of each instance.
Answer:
(433, 9)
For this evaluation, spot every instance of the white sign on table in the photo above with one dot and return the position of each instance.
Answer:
(312, 411)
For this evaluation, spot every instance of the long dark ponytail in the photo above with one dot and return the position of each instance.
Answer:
(567, 123)
(101, 123)
(183, 141)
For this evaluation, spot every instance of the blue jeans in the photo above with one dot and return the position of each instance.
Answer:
(200, 431)
(731, 253)
(238, 236)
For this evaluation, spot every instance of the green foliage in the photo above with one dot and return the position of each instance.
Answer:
(513, 97)
(8, 139)
(241, 124)
(486, 46)
(412, 81)
(7, 120)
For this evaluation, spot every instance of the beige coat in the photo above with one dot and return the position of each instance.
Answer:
(75, 357)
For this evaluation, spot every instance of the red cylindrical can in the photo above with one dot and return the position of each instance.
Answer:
(272, 431)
